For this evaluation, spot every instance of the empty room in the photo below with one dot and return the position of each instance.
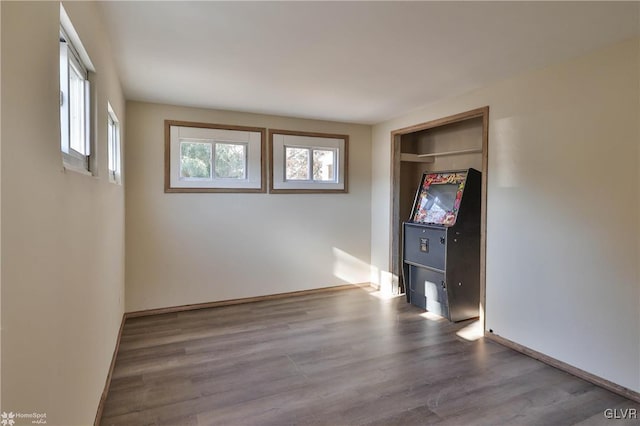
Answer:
(327, 213)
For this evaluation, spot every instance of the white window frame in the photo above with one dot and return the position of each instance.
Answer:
(310, 150)
(74, 58)
(178, 132)
(114, 146)
(279, 140)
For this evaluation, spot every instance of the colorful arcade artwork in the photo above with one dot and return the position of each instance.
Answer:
(439, 198)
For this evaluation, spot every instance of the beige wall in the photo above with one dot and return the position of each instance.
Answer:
(63, 232)
(562, 230)
(193, 248)
(0, 213)
(564, 138)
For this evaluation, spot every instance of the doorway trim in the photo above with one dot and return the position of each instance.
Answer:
(396, 135)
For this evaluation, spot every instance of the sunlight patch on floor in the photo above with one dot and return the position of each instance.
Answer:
(431, 316)
(472, 332)
(384, 295)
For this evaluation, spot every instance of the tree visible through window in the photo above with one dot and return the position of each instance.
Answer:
(195, 160)
(203, 160)
(324, 162)
(203, 157)
(231, 160)
(297, 163)
(310, 164)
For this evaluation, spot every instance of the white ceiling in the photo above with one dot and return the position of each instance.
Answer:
(361, 62)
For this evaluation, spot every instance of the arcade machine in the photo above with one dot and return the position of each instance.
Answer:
(441, 245)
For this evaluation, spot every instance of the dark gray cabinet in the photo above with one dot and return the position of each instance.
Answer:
(441, 261)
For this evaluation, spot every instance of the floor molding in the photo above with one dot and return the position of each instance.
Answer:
(205, 305)
(107, 383)
(592, 378)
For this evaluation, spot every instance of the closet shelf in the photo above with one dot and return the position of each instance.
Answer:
(443, 154)
(414, 158)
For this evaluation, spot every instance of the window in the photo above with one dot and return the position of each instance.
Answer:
(308, 162)
(213, 158)
(114, 149)
(75, 98)
(209, 159)
(230, 160)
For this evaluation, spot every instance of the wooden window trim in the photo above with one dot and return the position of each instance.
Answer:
(167, 157)
(344, 190)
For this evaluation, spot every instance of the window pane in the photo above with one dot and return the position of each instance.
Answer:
(195, 160)
(231, 160)
(111, 145)
(76, 111)
(297, 163)
(324, 161)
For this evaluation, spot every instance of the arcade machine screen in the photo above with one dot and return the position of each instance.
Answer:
(438, 199)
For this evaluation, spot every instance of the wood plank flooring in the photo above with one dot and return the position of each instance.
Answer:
(335, 358)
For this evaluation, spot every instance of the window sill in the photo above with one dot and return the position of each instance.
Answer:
(70, 168)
